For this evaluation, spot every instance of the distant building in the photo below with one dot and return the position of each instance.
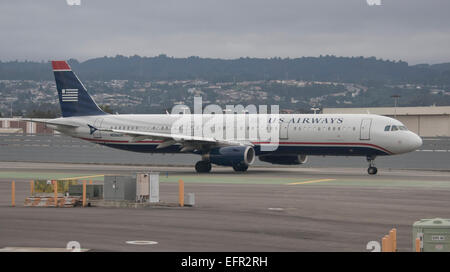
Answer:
(15, 125)
(425, 121)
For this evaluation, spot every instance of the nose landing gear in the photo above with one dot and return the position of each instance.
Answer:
(372, 170)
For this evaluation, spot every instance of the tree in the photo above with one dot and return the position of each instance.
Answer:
(107, 109)
(49, 114)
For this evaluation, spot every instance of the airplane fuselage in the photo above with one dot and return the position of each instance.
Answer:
(307, 134)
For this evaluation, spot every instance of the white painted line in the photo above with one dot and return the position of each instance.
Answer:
(38, 249)
(275, 209)
(436, 150)
(142, 243)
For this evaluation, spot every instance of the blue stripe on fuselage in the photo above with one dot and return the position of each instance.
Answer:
(303, 149)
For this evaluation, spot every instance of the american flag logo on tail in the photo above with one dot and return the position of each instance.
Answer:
(69, 95)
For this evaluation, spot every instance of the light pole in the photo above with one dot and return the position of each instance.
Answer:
(396, 97)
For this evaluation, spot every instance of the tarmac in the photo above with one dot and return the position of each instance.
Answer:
(264, 209)
(434, 154)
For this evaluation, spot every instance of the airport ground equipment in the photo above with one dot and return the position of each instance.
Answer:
(42, 187)
(94, 191)
(49, 201)
(147, 187)
(189, 199)
(119, 188)
(51, 193)
(433, 234)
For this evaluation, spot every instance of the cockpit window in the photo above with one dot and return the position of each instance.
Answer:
(387, 128)
(394, 128)
(402, 128)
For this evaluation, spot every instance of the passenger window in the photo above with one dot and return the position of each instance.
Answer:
(394, 128)
(387, 128)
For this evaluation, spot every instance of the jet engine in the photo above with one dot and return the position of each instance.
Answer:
(231, 156)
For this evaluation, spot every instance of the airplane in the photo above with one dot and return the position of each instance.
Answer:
(300, 135)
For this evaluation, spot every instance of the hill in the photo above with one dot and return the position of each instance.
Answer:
(162, 67)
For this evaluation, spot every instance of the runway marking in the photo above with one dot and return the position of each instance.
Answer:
(309, 181)
(38, 249)
(141, 243)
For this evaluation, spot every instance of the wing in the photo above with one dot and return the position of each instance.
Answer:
(188, 143)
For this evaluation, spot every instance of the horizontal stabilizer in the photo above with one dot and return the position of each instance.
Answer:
(45, 121)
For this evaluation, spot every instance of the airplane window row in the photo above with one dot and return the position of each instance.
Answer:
(387, 128)
(394, 128)
(327, 128)
(139, 128)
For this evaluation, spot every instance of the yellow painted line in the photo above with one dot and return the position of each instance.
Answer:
(310, 181)
(82, 177)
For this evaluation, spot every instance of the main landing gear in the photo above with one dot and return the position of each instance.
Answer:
(372, 170)
(240, 167)
(203, 167)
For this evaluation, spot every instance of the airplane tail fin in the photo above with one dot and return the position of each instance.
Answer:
(73, 96)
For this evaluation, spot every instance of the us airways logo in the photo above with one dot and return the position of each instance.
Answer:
(312, 120)
(69, 95)
(92, 129)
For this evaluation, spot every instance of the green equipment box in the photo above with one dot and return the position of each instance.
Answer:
(434, 235)
(92, 191)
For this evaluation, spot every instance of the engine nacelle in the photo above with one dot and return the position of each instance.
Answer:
(284, 159)
(231, 155)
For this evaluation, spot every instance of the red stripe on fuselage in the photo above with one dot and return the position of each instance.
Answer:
(116, 141)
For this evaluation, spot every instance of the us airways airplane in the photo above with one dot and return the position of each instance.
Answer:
(298, 135)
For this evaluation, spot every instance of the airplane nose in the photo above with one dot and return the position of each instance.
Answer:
(416, 141)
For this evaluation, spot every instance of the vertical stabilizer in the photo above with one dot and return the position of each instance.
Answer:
(73, 96)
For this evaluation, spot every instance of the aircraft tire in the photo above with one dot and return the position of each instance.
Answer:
(203, 167)
(240, 167)
(372, 170)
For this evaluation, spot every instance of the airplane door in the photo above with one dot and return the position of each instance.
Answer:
(284, 128)
(365, 129)
(98, 124)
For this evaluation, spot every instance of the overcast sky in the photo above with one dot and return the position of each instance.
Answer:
(417, 31)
